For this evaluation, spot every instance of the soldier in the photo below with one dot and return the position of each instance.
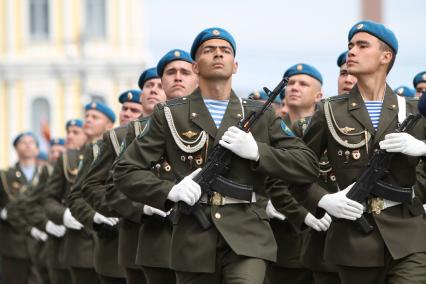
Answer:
(178, 80)
(14, 231)
(55, 205)
(131, 212)
(99, 118)
(419, 83)
(56, 149)
(351, 127)
(93, 189)
(239, 242)
(405, 91)
(345, 81)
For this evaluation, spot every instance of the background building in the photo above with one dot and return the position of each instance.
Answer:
(57, 55)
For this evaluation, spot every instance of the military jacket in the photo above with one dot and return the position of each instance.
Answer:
(245, 227)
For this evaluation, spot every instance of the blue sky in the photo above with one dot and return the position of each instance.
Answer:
(273, 35)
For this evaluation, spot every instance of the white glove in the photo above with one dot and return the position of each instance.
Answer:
(99, 218)
(272, 212)
(318, 224)
(403, 143)
(148, 210)
(38, 235)
(3, 214)
(55, 230)
(338, 205)
(186, 190)
(70, 222)
(424, 207)
(241, 143)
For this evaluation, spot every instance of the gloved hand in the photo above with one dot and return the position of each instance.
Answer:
(3, 214)
(55, 230)
(338, 205)
(403, 143)
(99, 218)
(186, 190)
(424, 207)
(272, 212)
(240, 143)
(318, 224)
(38, 235)
(70, 222)
(148, 210)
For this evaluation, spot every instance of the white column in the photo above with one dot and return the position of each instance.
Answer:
(13, 121)
(10, 30)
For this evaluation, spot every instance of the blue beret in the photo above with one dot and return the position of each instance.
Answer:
(42, 156)
(306, 69)
(21, 135)
(172, 55)
(133, 96)
(261, 95)
(57, 141)
(146, 75)
(342, 58)
(405, 91)
(377, 30)
(101, 107)
(74, 122)
(212, 33)
(419, 78)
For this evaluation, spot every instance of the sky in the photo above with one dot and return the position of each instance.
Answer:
(273, 35)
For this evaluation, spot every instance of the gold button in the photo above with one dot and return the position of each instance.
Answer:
(393, 106)
(183, 99)
(193, 114)
(239, 115)
(244, 102)
(217, 215)
(353, 104)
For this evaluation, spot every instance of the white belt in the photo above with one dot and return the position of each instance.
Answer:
(224, 200)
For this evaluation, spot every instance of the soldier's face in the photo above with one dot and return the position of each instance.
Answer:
(215, 60)
(365, 55)
(178, 79)
(152, 94)
(76, 137)
(420, 88)
(283, 109)
(27, 147)
(130, 111)
(302, 91)
(55, 152)
(345, 81)
(96, 123)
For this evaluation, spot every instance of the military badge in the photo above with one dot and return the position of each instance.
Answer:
(177, 53)
(189, 134)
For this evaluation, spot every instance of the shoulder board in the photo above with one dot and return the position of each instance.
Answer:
(174, 102)
(336, 98)
(412, 99)
(120, 132)
(252, 103)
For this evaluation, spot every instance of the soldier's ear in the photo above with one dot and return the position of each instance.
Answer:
(235, 67)
(318, 96)
(195, 68)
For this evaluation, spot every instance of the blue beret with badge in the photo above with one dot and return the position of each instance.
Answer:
(23, 134)
(42, 156)
(405, 91)
(103, 108)
(74, 122)
(212, 33)
(148, 74)
(132, 96)
(172, 55)
(57, 141)
(342, 58)
(377, 30)
(419, 78)
(262, 96)
(306, 69)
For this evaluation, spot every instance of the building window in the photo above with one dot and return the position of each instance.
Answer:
(40, 118)
(39, 19)
(95, 22)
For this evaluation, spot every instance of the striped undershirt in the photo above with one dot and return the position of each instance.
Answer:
(374, 108)
(217, 109)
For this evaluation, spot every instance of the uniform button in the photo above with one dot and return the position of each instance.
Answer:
(217, 215)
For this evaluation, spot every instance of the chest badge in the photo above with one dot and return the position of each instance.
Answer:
(356, 154)
(347, 129)
(189, 134)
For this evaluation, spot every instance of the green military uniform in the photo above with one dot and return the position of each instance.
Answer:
(130, 213)
(15, 238)
(290, 235)
(93, 191)
(55, 203)
(241, 231)
(365, 257)
(314, 241)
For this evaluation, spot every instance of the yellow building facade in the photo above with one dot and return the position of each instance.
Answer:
(57, 55)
